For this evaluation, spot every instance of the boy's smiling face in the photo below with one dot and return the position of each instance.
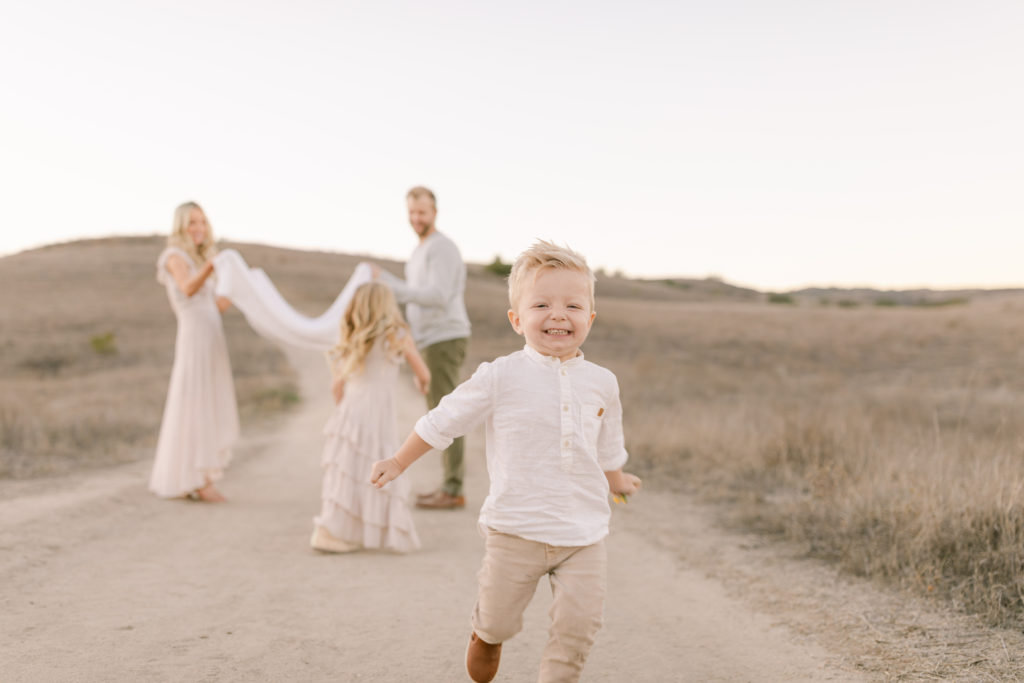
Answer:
(554, 312)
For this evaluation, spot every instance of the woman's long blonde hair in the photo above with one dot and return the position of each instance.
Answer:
(199, 253)
(371, 316)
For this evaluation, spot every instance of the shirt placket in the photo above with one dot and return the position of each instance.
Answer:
(565, 400)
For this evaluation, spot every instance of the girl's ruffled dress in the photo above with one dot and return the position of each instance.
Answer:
(361, 431)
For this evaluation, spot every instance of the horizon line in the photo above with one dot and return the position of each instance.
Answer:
(600, 270)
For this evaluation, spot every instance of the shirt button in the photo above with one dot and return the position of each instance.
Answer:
(564, 372)
(565, 407)
(566, 444)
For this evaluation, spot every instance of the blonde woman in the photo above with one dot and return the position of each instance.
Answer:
(355, 514)
(200, 422)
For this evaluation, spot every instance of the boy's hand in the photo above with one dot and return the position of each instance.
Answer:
(384, 471)
(423, 385)
(623, 484)
(631, 484)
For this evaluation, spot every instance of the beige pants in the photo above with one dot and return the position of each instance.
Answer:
(512, 567)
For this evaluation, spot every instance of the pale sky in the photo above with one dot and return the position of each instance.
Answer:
(774, 144)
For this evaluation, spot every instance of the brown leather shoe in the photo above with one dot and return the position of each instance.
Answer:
(482, 659)
(442, 501)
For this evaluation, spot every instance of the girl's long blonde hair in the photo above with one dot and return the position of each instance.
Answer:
(199, 253)
(371, 316)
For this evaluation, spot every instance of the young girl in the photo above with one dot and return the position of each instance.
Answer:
(355, 514)
(200, 422)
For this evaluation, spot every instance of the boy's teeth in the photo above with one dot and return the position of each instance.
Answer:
(558, 331)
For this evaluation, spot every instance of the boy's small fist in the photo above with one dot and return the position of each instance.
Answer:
(384, 471)
(630, 484)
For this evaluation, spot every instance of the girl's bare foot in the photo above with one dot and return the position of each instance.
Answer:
(325, 543)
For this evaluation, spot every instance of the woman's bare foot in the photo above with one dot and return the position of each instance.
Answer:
(210, 494)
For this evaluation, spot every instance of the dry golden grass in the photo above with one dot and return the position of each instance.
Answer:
(88, 338)
(887, 439)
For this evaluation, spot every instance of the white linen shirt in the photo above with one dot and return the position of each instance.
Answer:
(433, 291)
(552, 430)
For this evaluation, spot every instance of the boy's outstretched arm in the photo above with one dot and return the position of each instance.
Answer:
(623, 483)
(409, 452)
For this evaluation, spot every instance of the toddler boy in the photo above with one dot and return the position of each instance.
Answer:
(554, 449)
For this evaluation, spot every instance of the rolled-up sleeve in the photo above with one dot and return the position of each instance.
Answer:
(611, 444)
(460, 411)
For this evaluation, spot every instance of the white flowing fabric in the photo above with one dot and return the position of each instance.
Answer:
(252, 292)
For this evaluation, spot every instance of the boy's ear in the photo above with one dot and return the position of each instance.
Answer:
(514, 319)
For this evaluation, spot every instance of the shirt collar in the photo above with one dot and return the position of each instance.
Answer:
(551, 360)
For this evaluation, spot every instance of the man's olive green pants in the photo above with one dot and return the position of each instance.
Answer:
(444, 360)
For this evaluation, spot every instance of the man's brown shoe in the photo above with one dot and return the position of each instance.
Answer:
(441, 501)
(482, 659)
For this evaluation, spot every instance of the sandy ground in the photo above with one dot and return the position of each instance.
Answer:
(100, 581)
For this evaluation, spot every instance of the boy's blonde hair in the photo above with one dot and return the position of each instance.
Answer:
(371, 316)
(544, 254)
(199, 253)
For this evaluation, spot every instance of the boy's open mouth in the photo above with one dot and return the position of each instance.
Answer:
(558, 333)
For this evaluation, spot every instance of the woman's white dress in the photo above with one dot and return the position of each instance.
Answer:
(200, 422)
(361, 431)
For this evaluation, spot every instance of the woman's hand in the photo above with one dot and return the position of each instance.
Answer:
(179, 270)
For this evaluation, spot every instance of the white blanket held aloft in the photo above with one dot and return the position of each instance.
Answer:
(252, 292)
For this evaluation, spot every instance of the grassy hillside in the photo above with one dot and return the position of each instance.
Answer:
(886, 438)
(87, 340)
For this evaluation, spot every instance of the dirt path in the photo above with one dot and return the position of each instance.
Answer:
(99, 581)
